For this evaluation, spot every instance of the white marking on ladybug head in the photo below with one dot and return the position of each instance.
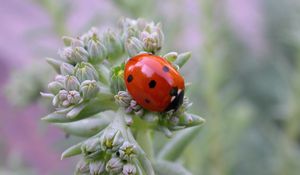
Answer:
(173, 98)
(178, 92)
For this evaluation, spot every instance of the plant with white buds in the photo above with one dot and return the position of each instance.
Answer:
(91, 100)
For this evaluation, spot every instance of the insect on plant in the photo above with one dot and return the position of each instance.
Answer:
(117, 91)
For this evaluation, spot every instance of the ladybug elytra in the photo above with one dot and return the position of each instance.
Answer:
(154, 83)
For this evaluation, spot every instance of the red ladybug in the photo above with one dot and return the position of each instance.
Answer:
(154, 83)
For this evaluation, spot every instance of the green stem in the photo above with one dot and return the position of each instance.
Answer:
(144, 139)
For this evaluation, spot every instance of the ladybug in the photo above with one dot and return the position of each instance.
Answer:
(154, 83)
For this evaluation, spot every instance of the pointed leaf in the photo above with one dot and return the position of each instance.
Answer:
(54, 63)
(75, 111)
(54, 117)
(165, 167)
(72, 151)
(182, 59)
(173, 149)
(87, 127)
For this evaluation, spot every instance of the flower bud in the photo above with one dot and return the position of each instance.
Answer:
(76, 42)
(91, 146)
(127, 151)
(112, 140)
(82, 167)
(133, 46)
(134, 105)
(151, 41)
(93, 33)
(85, 71)
(71, 83)
(74, 97)
(171, 56)
(63, 98)
(117, 79)
(129, 169)
(113, 44)
(141, 23)
(123, 98)
(114, 165)
(96, 50)
(89, 89)
(61, 79)
(80, 54)
(63, 95)
(67, 54)
(54, 87)
(66, 69)
(97, 167)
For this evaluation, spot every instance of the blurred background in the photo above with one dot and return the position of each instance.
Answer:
(245, 70)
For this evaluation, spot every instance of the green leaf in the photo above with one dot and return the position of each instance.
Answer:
(182, 59)
(54, 63)
(67, 40)
(75, 111)
(193, 120)
(174, 148)
(87, 127)
(165, 168)
(72, 151)
(54, 117)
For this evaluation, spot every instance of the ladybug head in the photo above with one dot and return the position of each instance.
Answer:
(176, 101)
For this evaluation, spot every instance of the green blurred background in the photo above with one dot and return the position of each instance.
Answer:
(245, 74)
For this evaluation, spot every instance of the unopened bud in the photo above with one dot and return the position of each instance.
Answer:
(133, 46)
(66, 69)
(114, 165)
(89, 89)
(91, 146)
(112, 139)
(97, 167)
(54, 87)
(82, 167)
(123, 98)
(80, 54)
(85, 71)
(96, 50)
(74, 97)
(71, 83)
(129, 169)
(113, 44)
(127, 151)
(63, 95)
(117, 79)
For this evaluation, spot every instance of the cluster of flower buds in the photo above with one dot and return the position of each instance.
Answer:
(124, 99)
(73, 86)
(110, 152)
(90, 84)
(142, 36)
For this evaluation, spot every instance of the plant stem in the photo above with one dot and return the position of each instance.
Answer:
(143, 137)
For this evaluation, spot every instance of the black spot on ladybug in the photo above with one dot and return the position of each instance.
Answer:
(129, 78)
(173, 91)
(147, 101)
(177, 102)
(166, 69)
(152, 84)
